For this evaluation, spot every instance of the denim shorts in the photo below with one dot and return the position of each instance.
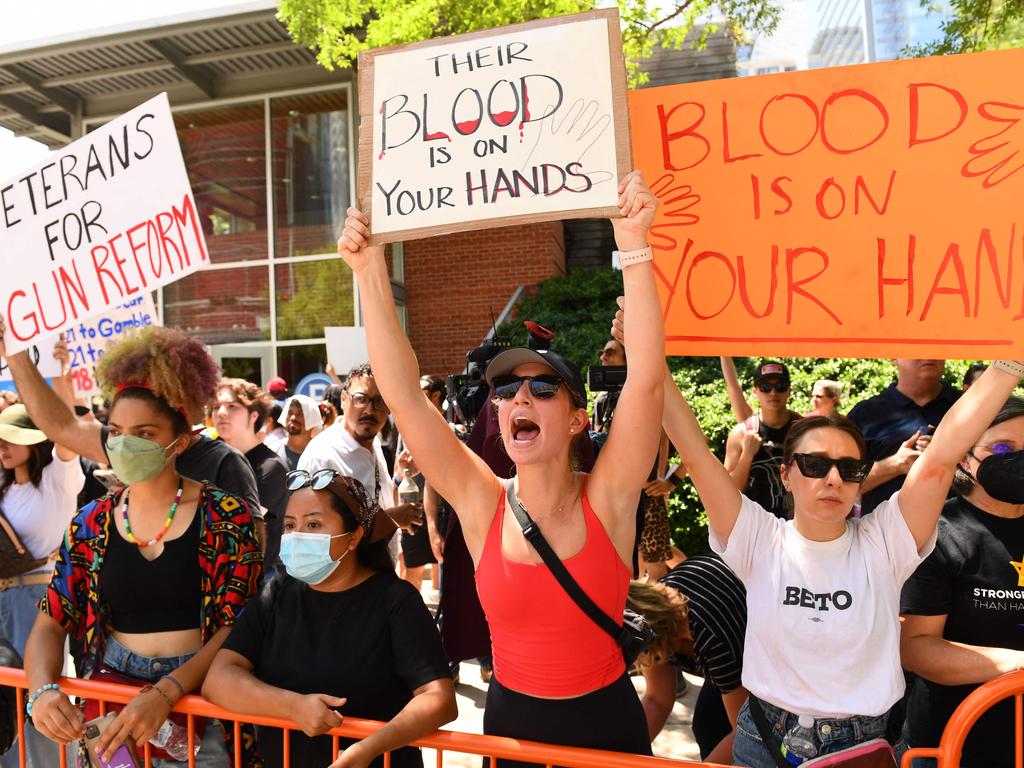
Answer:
(212, 752)
(831, 734)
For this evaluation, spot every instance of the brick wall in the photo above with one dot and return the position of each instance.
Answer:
(453, 282)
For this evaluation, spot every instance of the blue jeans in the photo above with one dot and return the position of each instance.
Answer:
(212, 752)
(18, 611)
(832, 734)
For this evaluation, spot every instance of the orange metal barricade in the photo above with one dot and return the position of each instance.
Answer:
(966, 715)
(494, 747)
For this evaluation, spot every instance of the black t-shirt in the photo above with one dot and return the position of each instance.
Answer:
(764, 483)
(270, 471)
(217, 462)
(291, 457)
(975, 578)
(373, 644)
(889, 419)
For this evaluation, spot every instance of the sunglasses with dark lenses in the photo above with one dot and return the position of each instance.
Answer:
(850, 470)
(300, 478)
(778, 386)
(541, 387)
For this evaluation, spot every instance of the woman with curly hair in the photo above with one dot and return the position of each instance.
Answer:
(149, 578)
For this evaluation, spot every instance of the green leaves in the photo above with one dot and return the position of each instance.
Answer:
(337, 30)
(977, 25)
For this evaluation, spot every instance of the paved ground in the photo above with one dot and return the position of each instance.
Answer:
(675, 741)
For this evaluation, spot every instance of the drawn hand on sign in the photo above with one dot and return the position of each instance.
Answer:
(993, 153)
(580, 126)
(352, 245)
(676, 202)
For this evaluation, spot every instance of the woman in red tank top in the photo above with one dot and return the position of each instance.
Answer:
(557, 677)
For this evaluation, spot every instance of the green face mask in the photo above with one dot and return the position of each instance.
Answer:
(135, 459)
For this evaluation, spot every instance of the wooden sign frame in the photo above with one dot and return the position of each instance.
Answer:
(619, 114)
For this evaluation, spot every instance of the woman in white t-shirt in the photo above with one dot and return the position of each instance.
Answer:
(822, 635)
(39, 488)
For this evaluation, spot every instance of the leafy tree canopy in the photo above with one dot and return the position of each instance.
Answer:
(337, 30)
(977, 25)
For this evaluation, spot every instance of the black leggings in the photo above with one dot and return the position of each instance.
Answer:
(609, 718)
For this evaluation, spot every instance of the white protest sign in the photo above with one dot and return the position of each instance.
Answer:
(42, 355)
(519, 124)
(346, 348)
(88, 340)
(101, 222)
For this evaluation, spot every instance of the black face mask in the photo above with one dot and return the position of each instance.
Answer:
(1002, 477)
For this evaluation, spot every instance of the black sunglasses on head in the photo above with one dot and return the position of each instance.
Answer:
(850, 470)
(300, 478)
(778, 386)
(541, 387)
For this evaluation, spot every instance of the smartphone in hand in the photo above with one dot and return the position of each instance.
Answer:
(124, 757)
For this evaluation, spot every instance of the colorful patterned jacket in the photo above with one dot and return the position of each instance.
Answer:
(230, 564)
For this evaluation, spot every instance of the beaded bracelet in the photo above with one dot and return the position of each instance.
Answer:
(174, 680)
(37, 693)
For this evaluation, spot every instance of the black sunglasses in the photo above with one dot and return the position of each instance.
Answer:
(850, 470)
(300, 478)
(541, 387)
(778, 386)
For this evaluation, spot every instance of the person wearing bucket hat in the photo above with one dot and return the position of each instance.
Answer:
(558, 676)
(39, 487)
(368, 648)
(151, 576)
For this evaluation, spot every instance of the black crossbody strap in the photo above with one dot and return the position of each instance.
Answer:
(533, 535)
(764, 730)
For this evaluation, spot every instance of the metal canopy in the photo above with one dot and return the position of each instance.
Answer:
(49, 89)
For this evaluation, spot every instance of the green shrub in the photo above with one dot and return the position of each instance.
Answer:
(579, 308)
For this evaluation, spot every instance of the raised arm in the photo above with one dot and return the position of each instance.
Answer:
(924, 491)
(455, 471)
(740, 407)
(715, 486)
(47, 410)
(625, 461)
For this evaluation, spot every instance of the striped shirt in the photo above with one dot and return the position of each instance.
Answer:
(718, 617)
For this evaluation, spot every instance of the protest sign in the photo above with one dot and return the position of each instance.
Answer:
(106, 219)
(42, 355)
(505, 126)
(88, 340)
(346, 348)
(866, 211)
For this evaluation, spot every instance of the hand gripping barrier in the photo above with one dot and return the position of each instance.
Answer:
(966, 715)
(494, 747)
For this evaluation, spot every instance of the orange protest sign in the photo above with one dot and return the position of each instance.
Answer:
(866, 211)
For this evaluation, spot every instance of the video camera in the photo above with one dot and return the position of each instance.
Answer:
(606, 378)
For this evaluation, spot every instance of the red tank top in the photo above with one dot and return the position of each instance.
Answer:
(543, 644)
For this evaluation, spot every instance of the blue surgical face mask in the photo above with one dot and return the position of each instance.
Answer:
(307, 556)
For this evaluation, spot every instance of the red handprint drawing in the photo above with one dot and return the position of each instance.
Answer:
(676, 202)
(995, 159)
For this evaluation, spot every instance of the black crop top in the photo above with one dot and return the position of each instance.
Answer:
(161, 595)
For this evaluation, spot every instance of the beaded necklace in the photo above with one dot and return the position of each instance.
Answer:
(167, 523)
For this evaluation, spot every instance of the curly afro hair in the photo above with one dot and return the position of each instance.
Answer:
(173, 365)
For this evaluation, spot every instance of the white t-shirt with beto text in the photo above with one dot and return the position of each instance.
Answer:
(823, 628)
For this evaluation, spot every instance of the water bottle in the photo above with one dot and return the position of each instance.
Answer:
(408, 491)
(798, 744)
(173, 739)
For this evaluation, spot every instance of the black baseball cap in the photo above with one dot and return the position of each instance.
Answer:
(507, 361)
(771, 369)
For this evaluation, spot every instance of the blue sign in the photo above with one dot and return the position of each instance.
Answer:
(314, 385)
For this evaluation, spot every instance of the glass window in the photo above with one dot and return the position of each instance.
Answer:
(312, 295)
(294, 363)
(224, 306)
(310, 162)
(225, 155)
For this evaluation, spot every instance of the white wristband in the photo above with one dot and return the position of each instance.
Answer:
(628, 258)
(1016, 367)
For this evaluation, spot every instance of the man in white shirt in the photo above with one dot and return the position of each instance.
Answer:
(351, 445)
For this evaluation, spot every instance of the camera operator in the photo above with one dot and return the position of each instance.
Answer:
(613, 353)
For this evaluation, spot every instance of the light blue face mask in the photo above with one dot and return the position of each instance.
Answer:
(307, 556)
